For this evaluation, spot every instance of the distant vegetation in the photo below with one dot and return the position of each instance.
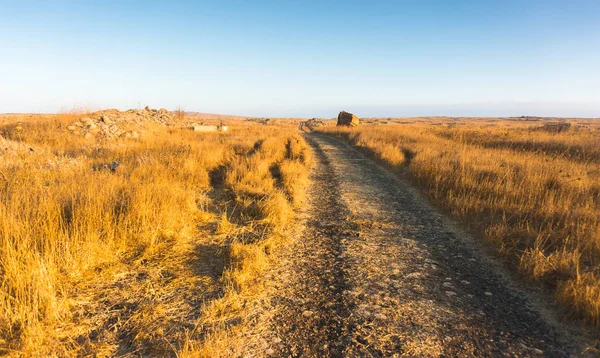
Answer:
(533, 191)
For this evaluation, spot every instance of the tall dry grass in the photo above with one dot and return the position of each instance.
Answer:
(534, 194)
(71, 228)
(266, 183)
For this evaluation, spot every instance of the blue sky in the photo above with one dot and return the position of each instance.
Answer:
(304, 58)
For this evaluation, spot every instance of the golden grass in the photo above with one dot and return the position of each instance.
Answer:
(535, 195)
(157, 257)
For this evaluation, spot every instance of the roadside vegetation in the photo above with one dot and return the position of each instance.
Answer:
(149, 246)
(533, 191)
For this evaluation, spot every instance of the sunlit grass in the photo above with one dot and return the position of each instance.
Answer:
(534, 194)
(65, 217)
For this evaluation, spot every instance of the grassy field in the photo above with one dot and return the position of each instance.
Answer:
(531, 189)
(161, 256)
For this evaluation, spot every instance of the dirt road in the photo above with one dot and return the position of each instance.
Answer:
(377, 272)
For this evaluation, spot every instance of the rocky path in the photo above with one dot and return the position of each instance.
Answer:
(377, 272)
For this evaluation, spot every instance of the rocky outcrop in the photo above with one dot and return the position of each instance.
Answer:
(112, 123)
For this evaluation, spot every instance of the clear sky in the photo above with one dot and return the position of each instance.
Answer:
(304, 58)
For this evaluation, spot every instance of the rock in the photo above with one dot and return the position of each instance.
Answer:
(106, 120)
(135, 135)
(487, 293)
(114, 129)
(71, 128)
(414, 275)
(87, 135)
(87, 121)
(450, 293)
(347, 119)
(307, 313)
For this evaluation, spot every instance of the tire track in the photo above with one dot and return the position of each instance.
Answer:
(313, 314)
(376, 272)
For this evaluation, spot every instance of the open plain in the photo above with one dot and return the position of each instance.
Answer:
(128, 234)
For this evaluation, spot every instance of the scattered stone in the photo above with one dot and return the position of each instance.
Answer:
(87, 121)
(107, 124)
(414, 275)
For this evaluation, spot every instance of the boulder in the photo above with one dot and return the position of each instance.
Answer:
(347, 119)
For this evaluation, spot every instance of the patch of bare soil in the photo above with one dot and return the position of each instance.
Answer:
(375, 271)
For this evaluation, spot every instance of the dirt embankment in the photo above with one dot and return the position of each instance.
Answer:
(375, 271)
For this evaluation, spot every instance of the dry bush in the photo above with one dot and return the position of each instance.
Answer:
(179, 114)
(108, 262)
(534, 194)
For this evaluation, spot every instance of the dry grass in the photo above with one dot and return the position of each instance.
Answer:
(159, 257)
(532, 192)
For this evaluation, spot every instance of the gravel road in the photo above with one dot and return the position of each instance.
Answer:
(377, 272)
